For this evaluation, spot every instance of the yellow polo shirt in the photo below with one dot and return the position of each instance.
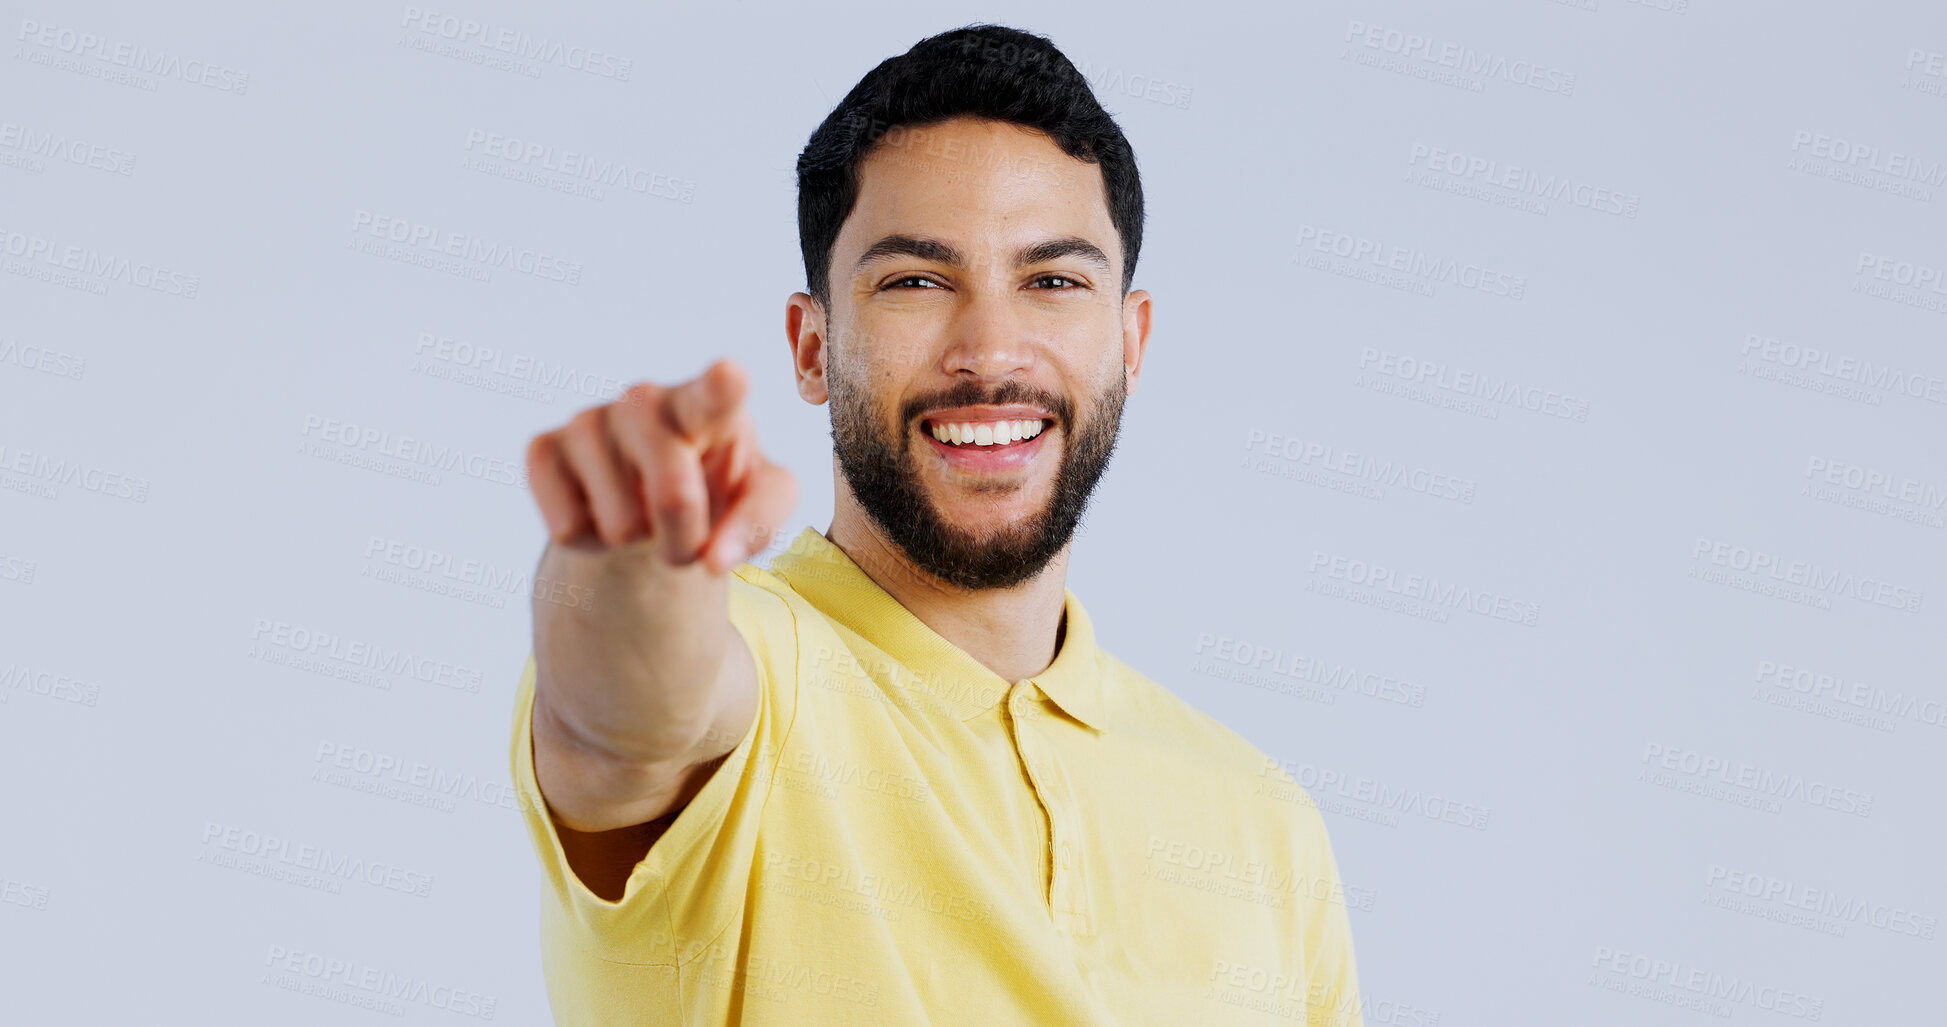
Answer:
(904, 837)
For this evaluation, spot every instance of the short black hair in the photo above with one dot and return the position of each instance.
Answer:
(984, 71)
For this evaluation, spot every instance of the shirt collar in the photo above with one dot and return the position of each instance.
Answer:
(828, 579)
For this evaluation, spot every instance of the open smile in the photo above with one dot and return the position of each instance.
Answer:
(986, 445)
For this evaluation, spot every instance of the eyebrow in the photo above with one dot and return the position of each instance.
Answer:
(944, 253)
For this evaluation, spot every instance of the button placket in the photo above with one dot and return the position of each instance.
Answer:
(1066, 900)
(1032, 753)
(1069, 893)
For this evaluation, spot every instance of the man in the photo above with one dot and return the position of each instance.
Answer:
(893, 778)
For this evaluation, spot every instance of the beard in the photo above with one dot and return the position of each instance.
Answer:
(880, 467)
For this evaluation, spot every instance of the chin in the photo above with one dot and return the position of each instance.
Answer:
(986, 509)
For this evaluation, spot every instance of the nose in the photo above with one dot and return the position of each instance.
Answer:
(989, 340)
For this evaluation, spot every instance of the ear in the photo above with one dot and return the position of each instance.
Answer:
(804, 329)
(1135, 334)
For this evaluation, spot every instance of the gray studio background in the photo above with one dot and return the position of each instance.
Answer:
(1539, 454)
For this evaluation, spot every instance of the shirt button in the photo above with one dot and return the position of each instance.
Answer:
(1067, 856)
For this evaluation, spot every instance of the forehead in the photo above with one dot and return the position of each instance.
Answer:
(976, 183)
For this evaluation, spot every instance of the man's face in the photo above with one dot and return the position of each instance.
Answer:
(976, 296)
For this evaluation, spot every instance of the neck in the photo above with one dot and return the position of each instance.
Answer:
(1014, 632)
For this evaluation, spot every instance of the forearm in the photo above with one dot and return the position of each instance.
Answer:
(631, 673)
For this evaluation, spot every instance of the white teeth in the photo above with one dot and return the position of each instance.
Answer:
(986, 433)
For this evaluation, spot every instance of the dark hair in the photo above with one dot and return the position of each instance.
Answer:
(984, 71)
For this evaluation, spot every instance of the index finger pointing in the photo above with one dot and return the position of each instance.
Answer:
(704, 409)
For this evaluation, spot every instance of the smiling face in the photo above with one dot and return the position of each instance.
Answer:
(977, 350)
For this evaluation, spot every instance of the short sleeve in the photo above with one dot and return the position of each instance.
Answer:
(691, 884)
(1331, 974)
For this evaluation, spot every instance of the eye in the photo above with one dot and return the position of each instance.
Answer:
(900, 282)
(1071, 282)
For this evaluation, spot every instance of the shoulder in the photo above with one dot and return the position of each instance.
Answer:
(1252, 788)
(1172, 743)
(1155, 717)
(772, 617)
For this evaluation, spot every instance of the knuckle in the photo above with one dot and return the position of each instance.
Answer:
(674, 500)
(540, 450)
(587, 422)
(641, 396)
(636, 419)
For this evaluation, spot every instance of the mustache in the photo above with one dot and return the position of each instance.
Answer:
(967, 393)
